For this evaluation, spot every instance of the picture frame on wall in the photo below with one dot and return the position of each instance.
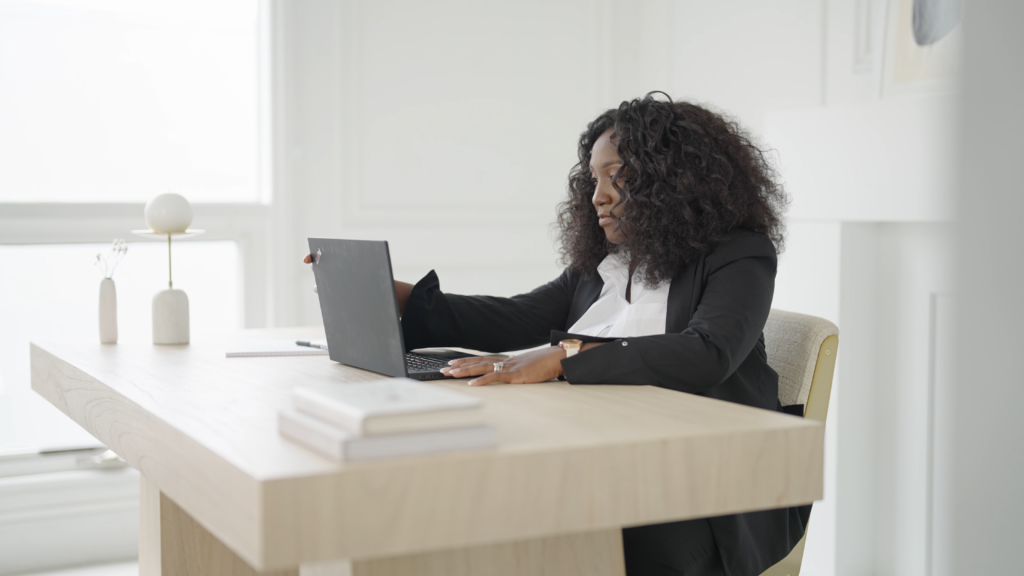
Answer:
(924, 39)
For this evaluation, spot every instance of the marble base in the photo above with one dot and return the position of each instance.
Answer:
(170, 317)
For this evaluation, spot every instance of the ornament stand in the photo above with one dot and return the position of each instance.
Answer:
(170, 306)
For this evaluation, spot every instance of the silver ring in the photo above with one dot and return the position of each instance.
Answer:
(499, 366)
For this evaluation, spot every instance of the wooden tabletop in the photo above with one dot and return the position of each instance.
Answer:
(570, 458)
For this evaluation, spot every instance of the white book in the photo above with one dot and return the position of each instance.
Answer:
(388, 406)
(253, 348)
(342, 445)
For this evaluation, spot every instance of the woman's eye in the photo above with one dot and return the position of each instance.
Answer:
(613, 176)
(593, 181)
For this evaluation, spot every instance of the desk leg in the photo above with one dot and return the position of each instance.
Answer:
(588, 554)
(171, 543)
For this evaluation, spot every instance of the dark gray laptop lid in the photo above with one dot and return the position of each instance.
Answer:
(358, 304)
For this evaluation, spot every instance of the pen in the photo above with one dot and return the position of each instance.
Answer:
(310, 344)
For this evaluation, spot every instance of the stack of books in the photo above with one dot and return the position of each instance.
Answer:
(384, 419)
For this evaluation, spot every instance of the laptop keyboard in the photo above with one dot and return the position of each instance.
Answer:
(420, 363)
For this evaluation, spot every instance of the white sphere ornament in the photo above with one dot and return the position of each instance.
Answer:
(168, 213)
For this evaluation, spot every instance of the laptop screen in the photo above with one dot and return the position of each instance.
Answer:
(358, 304)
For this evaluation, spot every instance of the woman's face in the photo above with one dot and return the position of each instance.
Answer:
(604, 164)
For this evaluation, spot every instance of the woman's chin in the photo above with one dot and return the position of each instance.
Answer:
(614, 236)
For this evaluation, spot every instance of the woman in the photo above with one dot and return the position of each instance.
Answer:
(670, 233)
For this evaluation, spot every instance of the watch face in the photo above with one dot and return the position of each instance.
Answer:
(571, 343)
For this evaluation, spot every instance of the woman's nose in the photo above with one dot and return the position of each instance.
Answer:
(600, 197)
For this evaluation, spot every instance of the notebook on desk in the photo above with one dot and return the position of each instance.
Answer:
(256, 348)
(384, 419)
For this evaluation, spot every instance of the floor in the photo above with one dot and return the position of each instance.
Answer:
(119, 569)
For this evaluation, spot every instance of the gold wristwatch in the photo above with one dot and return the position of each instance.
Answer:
(571, 347)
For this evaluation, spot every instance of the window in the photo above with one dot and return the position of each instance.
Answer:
(120, 100)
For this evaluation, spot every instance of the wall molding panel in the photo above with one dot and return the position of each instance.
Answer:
(61, 519)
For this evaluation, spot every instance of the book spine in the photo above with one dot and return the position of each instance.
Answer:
(317, 408)
(419, 443)
(310, 437)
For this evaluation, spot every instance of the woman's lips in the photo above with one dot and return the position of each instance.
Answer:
(605, 220)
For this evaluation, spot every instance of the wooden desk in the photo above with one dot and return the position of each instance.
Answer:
(223, 493)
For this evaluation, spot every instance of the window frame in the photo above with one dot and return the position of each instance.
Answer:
(88, 223)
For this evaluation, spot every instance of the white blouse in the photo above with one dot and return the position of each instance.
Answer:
(612, 316)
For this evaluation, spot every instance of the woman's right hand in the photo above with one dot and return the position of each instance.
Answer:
(402, 289)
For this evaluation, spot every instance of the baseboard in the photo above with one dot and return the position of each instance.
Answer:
(48, 521)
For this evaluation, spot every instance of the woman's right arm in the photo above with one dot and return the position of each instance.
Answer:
(402, 289)
(433, 318)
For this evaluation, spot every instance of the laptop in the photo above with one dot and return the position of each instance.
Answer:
(360, 310)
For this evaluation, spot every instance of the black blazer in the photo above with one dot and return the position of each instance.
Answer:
(713, 346)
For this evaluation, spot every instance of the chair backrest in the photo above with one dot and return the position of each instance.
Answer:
(802, 349)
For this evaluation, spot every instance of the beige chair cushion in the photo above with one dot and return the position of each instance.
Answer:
(792, 341)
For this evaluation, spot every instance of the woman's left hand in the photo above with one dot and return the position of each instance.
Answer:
(530, 368)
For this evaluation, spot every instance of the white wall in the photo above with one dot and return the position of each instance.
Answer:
(891, 272)
(66, 518)
(856, 374)
(987, 464)
(915, 265)
(748, 57)
(886, 160)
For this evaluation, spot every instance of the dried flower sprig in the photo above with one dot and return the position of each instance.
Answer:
(107, 264)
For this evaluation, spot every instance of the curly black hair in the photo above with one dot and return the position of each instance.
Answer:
(689, 177)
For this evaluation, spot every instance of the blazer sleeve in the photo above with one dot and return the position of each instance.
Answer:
(723, 330)
(488, 323)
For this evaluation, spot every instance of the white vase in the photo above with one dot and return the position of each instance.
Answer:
(170, 317)
(108, 312)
